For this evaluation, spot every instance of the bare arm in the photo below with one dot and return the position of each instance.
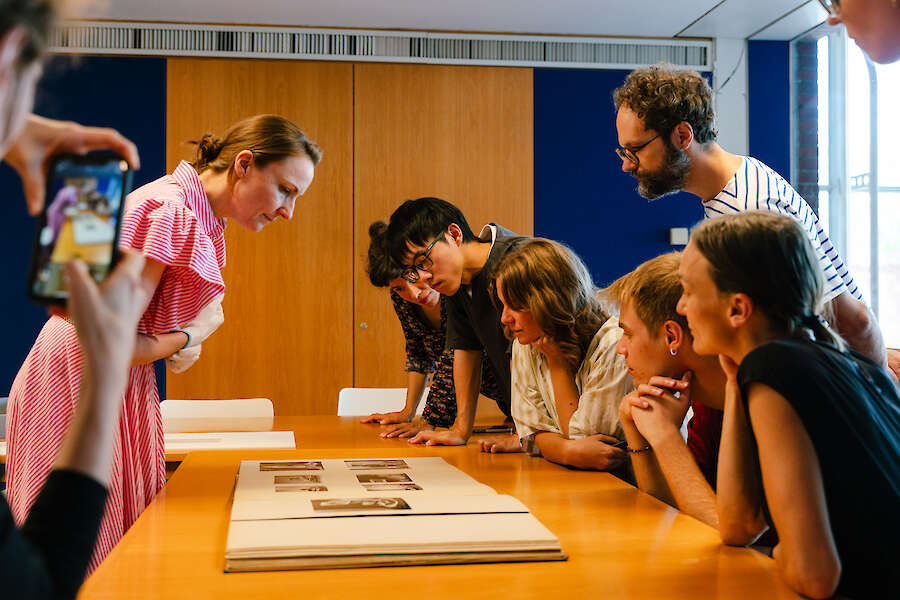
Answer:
(691, 492)
(467, 381)
(806, 555)
(593, 452)
(658, 414)
(859, 328)
(646, 467)
(739, 491)
(148, 348)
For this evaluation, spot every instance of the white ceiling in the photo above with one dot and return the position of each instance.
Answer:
(650, 18)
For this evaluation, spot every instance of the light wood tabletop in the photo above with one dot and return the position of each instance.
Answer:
(621, 542)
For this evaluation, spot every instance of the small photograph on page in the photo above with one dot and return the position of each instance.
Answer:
(348, 504)
(383, 478)
(377, 463)
(301, 488)
(297, 479)
(292, 465)
(390, 487)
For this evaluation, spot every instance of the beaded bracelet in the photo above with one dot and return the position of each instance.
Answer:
(638, 450)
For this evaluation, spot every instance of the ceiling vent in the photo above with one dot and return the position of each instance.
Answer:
(163, 39)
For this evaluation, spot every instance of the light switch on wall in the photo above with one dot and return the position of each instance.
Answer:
(678, 236)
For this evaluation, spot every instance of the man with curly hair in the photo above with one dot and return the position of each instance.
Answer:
(666, 126)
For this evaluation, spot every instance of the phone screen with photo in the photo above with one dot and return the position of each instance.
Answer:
(81, 219)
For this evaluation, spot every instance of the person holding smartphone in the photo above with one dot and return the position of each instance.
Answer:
(48, 556)
(253, 175)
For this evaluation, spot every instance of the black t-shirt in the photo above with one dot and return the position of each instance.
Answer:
(49, 556)
(851, 412)
(473, 322)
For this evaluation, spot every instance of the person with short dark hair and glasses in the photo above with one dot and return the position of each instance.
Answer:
(431, 238)
(422, 313)
(666, 126)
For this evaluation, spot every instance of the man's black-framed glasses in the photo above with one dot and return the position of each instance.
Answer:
(630, 154)
(420, 262)
(832, 7)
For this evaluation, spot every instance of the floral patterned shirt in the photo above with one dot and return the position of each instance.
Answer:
(426, 353)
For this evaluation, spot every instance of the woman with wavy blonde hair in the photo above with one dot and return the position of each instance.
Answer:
(567, 380)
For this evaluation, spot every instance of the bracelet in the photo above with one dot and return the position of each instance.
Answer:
(638, 450)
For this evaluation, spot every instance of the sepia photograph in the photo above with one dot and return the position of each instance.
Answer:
(390, 487)
(353, 504)
(378, 463)
(279, 479)
(293, 465)
(383, 478)
(301, 488)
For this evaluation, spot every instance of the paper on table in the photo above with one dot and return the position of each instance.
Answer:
(392, 511)
(389, 503)
(288, 486)
(389, 535)
(233, 440)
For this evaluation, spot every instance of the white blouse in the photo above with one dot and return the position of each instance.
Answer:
(602, 380)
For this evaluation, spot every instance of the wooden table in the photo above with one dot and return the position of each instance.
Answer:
(621, 542)
(309, 432)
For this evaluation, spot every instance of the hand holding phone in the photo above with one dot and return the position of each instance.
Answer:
(81, 219)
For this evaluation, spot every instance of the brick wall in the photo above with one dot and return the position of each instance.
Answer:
(806, 133)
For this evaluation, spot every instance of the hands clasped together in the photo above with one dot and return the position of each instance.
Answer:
(657, 408)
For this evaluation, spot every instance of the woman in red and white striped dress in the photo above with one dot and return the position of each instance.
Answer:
(252, 175)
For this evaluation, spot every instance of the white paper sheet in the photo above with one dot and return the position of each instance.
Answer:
(232, 440)
(297, 489)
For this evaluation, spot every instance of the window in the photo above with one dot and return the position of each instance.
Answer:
(846, 150)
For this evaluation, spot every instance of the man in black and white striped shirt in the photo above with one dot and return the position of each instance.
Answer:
(666, 127)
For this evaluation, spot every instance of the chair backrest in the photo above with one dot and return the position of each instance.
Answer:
(214, 409)
(358, 402)
(3, 405)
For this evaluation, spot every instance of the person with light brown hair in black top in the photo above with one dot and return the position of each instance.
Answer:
(811, 431)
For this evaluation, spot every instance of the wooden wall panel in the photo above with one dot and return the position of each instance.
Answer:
(464, 134)
(288, 306)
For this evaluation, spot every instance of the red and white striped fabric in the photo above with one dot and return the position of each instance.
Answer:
(168, 220)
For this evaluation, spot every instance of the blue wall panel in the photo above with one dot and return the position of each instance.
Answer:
(126, 93)
(769, 104)
(581, 195)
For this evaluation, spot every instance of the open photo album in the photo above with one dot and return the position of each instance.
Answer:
(331, 513)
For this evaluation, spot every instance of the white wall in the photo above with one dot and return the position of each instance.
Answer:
(731, 100)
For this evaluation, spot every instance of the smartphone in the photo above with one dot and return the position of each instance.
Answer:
(81, 219)
(493, 429)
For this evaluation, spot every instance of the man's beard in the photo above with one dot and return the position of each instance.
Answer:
(669, 178)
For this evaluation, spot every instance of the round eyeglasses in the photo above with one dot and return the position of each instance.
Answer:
(630, 154)
(420, 262)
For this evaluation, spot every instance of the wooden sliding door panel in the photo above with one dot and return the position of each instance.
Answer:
(288, 304)
(464, 134)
